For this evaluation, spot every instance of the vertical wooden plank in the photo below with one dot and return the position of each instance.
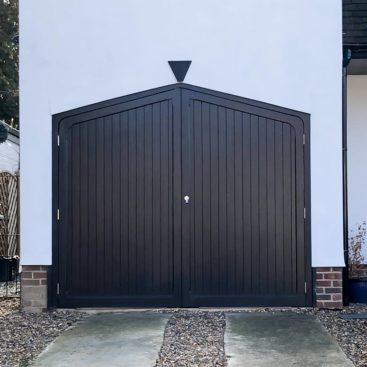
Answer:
(140, 202)
(255, 227)
(189, 209)
(183, 185)
(206, 192)
(238, 202)
(279, 207)
(84, 208)
(149, 200)
(222, 162)
(124, 203)
(116, 199)
(198, 196)
(231, 249)
(271, 230)
(247, 216)
(263, 207)
(132, 201)
(65, 239)
(300, 199)
(108, 255)
(74, 278)
(287, 210)
(164, 154)
(157, 197)
(170, 202)
(214, 198)
(92, 202)
(100, 168)
(293, 169)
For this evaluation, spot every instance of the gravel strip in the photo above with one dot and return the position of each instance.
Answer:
(8, 305)
(350, 334)
(194, 338)
(24, 335)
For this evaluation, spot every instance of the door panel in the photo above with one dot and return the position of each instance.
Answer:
(126, 237)
(117, 202)
(246, 242)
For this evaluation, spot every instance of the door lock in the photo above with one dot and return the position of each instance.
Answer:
(187, 198)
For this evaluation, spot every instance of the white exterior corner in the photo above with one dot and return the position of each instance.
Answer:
(74, 53)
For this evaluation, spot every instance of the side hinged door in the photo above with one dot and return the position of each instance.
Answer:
(244, 230)
(119, 202)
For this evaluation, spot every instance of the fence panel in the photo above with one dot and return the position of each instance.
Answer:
(9, 215)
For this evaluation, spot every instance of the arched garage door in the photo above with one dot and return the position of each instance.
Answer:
(181, 196)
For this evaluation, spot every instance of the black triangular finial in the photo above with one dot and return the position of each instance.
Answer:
(179, 68)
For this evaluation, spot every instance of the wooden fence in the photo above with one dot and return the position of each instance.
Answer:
(9, 215)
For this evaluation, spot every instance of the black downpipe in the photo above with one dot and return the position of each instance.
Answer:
(347, 55)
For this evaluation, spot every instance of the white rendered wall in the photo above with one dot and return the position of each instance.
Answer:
(76, 52)
(357, 153)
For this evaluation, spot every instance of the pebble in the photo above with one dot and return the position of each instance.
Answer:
(24, 335)
(194, 338)
(350, 334)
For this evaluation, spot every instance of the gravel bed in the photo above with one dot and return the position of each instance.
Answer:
(24, 335)
(350, 334)
(194, 338)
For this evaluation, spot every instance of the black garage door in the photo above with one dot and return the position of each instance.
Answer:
(181, 196)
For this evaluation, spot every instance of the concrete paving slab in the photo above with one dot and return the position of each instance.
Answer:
(280, 340)
(114, 340)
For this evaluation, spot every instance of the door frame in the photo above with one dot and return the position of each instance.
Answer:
(53, 273)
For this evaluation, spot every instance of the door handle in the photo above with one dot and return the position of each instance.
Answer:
(187, 198)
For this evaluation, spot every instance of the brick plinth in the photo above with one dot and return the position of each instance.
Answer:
(34, 287)
(329, 287)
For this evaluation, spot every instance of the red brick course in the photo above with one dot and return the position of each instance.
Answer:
(329, 287)
(34, 287)
(33, 267)
(33, 275)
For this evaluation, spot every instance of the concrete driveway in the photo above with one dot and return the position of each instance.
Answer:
(279, 340)
(251, 339)
(110, 339)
